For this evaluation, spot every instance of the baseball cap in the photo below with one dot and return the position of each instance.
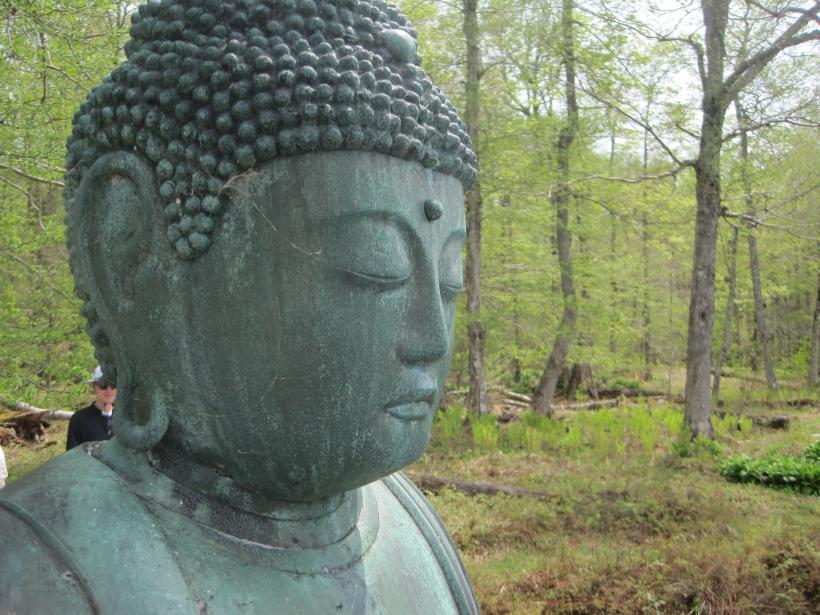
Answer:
(96, 375)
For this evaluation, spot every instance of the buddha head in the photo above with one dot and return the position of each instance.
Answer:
(265, 222)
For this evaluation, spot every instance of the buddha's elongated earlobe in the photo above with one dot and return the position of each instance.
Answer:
(127, 429)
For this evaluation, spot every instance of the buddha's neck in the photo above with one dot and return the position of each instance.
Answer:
(171, 480)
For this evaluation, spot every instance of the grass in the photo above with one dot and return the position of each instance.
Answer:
(23, 459)
(634, 519)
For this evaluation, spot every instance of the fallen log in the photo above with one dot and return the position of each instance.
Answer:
(518, 396)
(588, 405)
(21, 406)
(802, 402)
(793, 403)
(771, 422)
(630, 393)
(436, 483)
(768, 403)
(516, 403)
(761, 420)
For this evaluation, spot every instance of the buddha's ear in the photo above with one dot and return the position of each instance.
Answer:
(117, 210)
(117, 233)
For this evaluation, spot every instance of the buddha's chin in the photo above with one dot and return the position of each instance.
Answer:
(331, 472)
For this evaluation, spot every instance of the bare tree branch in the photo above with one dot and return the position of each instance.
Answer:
(636, 179)
(39, 274)
(34, 178)
(782, 12)
(747, 70)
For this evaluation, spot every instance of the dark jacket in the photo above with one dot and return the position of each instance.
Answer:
(88, 425)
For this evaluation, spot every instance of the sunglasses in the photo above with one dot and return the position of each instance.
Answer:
(105, 386)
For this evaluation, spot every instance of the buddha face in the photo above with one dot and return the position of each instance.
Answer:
(314, 336)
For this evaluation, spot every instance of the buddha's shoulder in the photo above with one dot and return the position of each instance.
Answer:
(38, 574)
(72, 533)
(410, 501)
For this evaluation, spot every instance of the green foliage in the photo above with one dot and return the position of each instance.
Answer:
(449, 424)
(619, 383)
(684, 447)
(486, 435)
(52, 54)
(611, 433)
(528, 382)
(812, 452)
(728, 424)
(802, 474)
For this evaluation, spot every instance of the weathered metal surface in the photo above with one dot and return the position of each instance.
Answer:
(265, 208)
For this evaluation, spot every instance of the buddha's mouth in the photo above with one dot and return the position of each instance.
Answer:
(410, 412)
(413, 406)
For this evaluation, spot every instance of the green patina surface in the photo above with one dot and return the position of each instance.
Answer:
(265, 209)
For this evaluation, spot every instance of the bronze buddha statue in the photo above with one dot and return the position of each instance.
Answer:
(265, 223)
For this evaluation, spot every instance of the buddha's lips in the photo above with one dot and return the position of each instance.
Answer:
(412, 407)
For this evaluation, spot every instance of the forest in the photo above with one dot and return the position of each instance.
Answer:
(642, 289)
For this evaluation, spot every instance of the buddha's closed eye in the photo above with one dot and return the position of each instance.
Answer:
(451, 278)
(370, 251)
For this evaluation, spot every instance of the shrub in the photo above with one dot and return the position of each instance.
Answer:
(618, 383)
(528, 382)
(812, 452)
(799, 473)
(684, 446)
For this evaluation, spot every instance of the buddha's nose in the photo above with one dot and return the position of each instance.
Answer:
(426, 336)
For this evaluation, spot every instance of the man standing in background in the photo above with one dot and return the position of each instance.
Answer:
(93, 423)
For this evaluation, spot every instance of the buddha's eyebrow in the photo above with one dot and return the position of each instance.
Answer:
(304, 251)
(375, 215)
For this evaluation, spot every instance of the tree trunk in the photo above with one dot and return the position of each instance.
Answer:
(477, 400)
(763, 336)
(559, 197)
(646, 338)
(698, 409)
(815, 338)
(731, 280)
(613, 255)
(702, 301)
(580, 374)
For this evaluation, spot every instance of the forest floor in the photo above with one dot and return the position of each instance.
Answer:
(622, 516)
(631, 519)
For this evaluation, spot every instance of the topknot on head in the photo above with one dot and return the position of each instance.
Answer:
(211, 89)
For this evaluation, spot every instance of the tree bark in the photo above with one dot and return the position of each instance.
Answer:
(763, 335)
(559, 197)
(698, 410)
(477, 400)
(646, 338)
(702, 301)
(731, 280)
(815, 338)
(613, 255)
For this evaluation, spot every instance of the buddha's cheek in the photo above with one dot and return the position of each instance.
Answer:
(346, 341)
